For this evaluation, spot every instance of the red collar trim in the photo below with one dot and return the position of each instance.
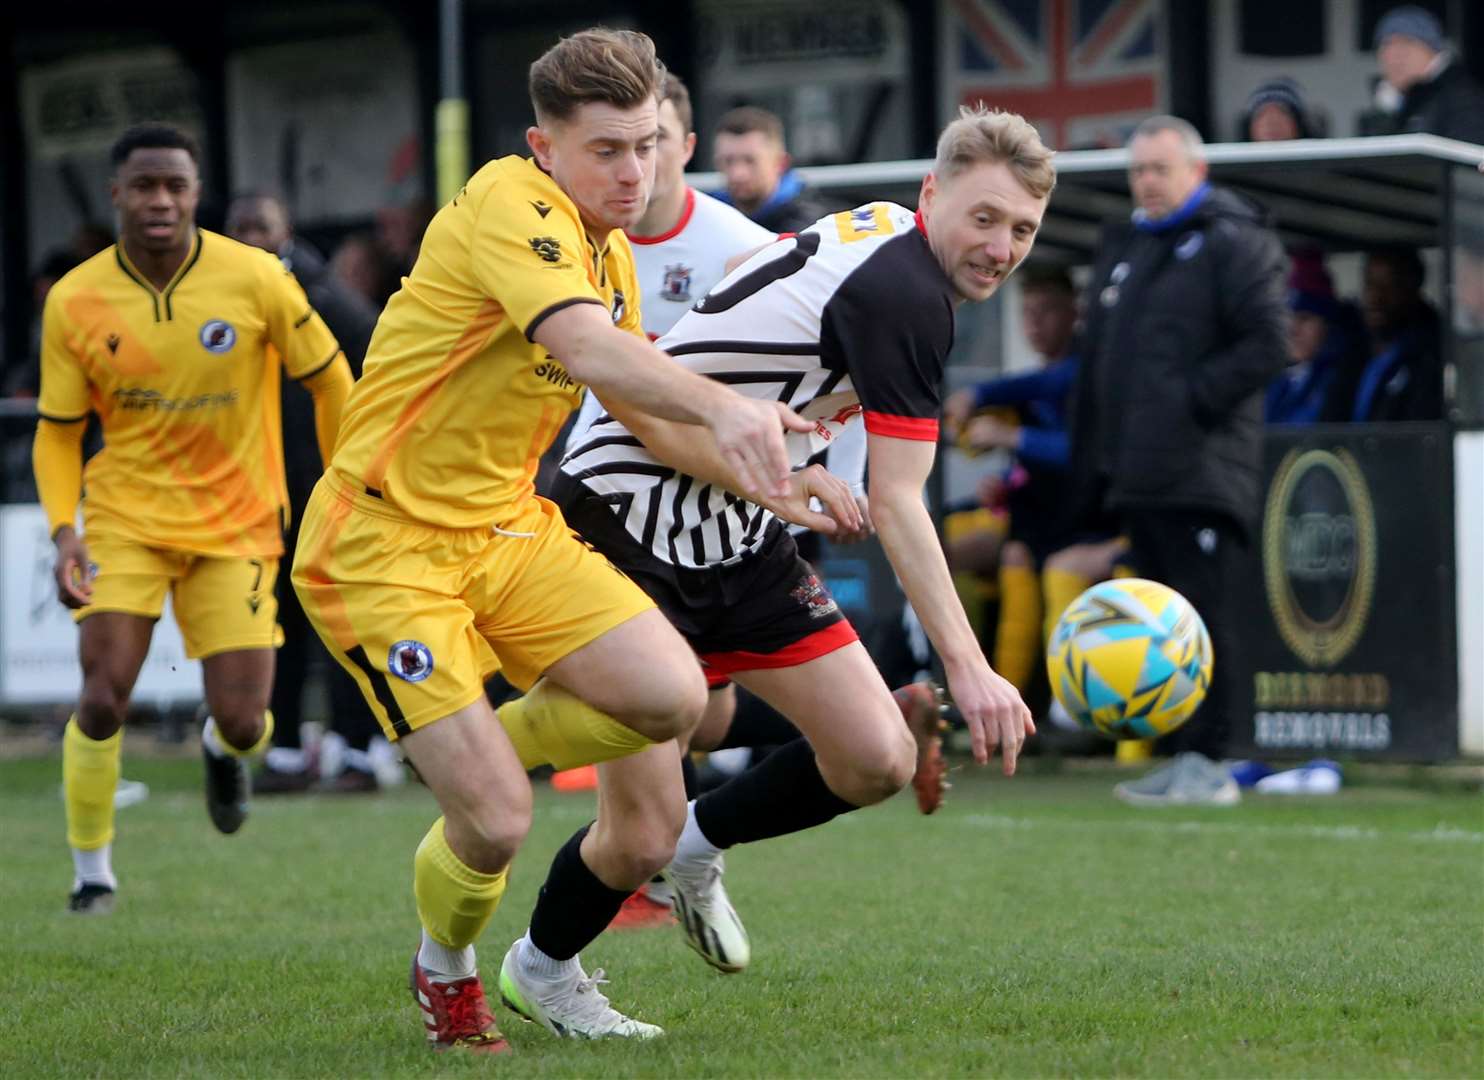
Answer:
(921, 225)
(690, 208)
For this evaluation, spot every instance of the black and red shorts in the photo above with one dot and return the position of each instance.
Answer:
(770, 609)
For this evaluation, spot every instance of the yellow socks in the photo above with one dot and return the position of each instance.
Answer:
(1060, 588)
(1017, 642)
(218, 744)
(454, 901)
(550, 726)
(90, 773)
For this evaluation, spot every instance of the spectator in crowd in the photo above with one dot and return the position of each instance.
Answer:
(1400, 376)
(1276, 110)
(25, 380)
(399, 234)
(360, 264)
(88, 239)
(1184, 329)
(1423, 87)
(263, 221)
(1324, 338)
(1025, 414)
(751, 155)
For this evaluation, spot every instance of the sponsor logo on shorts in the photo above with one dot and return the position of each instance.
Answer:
(218, 336)
(811, 592)
(410, 661)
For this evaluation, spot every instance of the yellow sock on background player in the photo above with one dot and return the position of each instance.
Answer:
(90, 774)
(1017, 641)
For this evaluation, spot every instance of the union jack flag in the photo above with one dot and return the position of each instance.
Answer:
(1080, 70)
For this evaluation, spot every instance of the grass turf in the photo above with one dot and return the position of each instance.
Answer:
(1033, 927)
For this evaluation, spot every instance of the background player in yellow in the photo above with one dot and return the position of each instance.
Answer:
(427, 562)
(173, 338)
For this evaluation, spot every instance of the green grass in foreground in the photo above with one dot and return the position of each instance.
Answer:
(1033, 927)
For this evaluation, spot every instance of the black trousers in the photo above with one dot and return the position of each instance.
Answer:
(1198, 553)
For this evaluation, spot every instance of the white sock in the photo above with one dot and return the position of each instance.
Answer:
(93, 867)
(693, 847)
(288, 759)
(445, 964)
(212, 740)
(543, 967)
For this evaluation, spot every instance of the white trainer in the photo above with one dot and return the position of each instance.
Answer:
(573, 1009)
(706, 915)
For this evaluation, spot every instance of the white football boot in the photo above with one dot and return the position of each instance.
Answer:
(706, 915)
(570, 1009)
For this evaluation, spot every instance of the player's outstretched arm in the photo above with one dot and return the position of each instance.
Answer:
(990, 705)
(56, 459)
(623, 366)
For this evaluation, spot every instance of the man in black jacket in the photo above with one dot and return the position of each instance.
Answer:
(1400, 375)
(1424, 88)
(1185, 327)
(751, 155)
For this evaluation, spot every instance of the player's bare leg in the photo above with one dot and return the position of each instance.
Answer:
(111, 647)
(651, 906)
(633, 837)
(857, 751)
(238, 725)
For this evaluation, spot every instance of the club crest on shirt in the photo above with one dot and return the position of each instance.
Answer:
(618, 306)
(677, 284)
(410, 661)
(548, 247)
(218, 336)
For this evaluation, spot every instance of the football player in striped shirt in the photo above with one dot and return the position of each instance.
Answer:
(850, 321)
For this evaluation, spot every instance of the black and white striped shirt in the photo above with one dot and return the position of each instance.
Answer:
(851, 318)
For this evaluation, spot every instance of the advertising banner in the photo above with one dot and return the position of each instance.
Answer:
(1349, 638)
(38, 639)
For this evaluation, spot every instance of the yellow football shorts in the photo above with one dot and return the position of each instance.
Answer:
(222, 603)
(422, 615)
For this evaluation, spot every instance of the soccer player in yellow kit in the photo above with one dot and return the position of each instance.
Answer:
(427, 562)
(174, 338)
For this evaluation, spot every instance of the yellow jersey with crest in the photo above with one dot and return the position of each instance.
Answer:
(456, 403)
(185, 381)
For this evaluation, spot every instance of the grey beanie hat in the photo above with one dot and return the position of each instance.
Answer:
(1413, 22)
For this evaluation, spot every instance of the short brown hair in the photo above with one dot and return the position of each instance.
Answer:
(982, 135)
(616, 67)
(675, 92)
(749, 118)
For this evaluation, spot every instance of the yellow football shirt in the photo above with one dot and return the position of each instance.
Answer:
(185, 382)
(456, 403)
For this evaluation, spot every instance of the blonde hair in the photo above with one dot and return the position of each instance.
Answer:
(982, 135)
(616, 67)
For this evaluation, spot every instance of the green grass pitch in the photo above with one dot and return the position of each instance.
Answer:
(1034, 927)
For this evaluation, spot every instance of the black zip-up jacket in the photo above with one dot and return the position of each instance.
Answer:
(1184, 330)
